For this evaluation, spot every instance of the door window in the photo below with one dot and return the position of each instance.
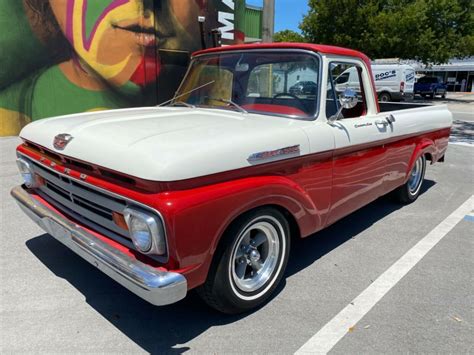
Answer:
(344, 76)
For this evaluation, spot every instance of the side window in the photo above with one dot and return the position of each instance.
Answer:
(344, 76)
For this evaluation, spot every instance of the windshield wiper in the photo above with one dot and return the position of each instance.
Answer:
(230, 102)
(177, 103)
(186, 93)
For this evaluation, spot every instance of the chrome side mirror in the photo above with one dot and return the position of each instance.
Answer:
(347, 100)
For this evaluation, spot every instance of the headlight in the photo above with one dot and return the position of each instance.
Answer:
(146, 231)
(29, 177)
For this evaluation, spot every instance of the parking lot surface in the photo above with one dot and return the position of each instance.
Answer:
(53, 301)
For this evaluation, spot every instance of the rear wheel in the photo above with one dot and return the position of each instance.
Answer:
(410, 191)
(250, 263)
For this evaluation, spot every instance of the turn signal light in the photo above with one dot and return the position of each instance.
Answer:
(119, 220)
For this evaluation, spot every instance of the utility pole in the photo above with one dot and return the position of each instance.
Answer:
(268, 22)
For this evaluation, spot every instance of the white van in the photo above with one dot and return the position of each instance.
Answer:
(393, 82)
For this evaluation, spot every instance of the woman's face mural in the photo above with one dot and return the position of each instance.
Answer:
(118, 39)
(88, 55)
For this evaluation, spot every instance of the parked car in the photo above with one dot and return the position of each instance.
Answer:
(430, 86)
(304, 88)
(208, 191)
(393, 82)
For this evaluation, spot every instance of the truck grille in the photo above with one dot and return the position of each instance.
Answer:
(86, 205)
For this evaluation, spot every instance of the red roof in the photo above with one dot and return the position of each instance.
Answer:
(321, 48)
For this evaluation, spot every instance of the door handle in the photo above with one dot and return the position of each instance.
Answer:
(390, 118)
(382, 122)
(386, 121)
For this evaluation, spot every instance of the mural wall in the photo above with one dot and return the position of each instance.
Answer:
(65, 56)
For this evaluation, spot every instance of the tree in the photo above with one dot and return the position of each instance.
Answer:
(288, 36)
(432, 31)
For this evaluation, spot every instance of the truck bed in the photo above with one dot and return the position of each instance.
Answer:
(396, 106)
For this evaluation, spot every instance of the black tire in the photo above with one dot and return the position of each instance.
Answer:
(385, 97)
(408, 193)
(432, 95)
(443, 96)
(220, 291)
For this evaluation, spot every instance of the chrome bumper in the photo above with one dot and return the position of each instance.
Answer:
(155, 286)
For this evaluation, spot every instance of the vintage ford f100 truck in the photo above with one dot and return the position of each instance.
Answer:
(208, 190)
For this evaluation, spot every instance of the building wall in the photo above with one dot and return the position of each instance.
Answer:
(66, 56)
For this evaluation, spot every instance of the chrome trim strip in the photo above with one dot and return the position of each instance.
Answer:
(153, 285)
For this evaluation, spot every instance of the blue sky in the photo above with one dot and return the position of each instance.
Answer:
(288, 13)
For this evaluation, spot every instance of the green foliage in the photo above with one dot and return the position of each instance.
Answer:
(288, 36)
(432, 31)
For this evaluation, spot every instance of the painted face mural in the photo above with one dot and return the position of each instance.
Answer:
(73, 56)
(113, 38)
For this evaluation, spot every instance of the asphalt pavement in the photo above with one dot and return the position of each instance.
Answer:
(51, 301)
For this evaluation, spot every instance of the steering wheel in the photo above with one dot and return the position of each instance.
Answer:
(282, 94)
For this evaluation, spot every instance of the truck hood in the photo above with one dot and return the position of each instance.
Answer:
(169, 144)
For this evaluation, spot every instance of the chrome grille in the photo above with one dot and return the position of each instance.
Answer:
(88, 206)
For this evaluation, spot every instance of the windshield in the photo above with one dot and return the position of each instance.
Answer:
(261, 82)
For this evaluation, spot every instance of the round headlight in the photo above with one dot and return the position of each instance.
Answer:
(146, 231)
(29, 176)
(140, 233)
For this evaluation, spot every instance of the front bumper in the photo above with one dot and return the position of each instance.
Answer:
(155, 286)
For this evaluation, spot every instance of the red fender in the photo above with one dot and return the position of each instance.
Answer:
(425, 146)
(196, 219)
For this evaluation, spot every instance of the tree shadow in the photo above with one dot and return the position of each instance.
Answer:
(163, 329)
(462, 132)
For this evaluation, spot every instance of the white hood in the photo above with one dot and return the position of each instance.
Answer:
(169, 144)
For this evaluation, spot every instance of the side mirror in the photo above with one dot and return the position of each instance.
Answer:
(347, 100)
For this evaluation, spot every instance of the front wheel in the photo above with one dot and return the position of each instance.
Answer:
(410, 191)
(385, 97)
(250, 263)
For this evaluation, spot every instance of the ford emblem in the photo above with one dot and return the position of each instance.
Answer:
(62, 140)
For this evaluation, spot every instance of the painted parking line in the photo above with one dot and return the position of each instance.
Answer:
(329, 335)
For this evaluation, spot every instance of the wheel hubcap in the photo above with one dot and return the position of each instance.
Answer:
(415, 177)
(255, 256)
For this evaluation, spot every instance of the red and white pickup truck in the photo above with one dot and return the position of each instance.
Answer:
(208, 190)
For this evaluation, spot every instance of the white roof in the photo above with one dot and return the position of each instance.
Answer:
(455, 64)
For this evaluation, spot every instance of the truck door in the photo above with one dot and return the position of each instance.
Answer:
(359, 162)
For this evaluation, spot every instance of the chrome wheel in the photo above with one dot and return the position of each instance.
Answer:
(256, 254)
(416, 176)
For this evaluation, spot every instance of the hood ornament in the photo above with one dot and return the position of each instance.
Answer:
(61, 141)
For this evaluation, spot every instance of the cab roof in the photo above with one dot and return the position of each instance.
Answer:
(319, 48)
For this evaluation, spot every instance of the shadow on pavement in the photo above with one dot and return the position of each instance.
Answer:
(306, 251)
(462, 132)
(163, 329)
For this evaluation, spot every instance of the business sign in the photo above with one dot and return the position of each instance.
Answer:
(385, 75)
